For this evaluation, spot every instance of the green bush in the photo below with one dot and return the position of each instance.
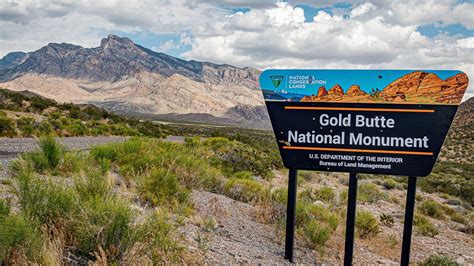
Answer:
(424, 226)
(245, 190)
(324, 193)
(431, 208)
(109, 152)
(37, 160)
(7, 126)
(51, 150)
(105, 222)
(439, 260)
(369, 192)
(389, 183)
(157, 235)
(44, 128)
(42, 200)
(20, 234)
(161, 187)
(76, 128)
(306, 212)
(451, 178)
(366, 224)
(25, 125)
(315, 234)
(236, 156)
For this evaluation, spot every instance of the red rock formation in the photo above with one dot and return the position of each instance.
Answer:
(336, 90)
(322, 92)
(450, 90)
(306, 99)
(409, 83)
(354, 90)
(430, 83)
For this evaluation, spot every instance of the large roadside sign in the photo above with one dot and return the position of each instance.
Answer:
(362, 121)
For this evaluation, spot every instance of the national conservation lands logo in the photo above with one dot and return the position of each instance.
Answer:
(276, 80)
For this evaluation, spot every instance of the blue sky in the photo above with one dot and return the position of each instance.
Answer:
(323, 34)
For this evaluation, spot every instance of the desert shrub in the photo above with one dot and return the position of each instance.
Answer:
(366, 224)
(459, 218)
(324, 193)
(315, 223)
(73, 162)
(25, 125)
(431, 208)
(7, 126)
(20, 235)
(158, 236)
(307, 175)
(37, 160)
(306, 212)
(161, 187)
(343, 196)
(107, 151)
(245, 190)
(387, 220)
(424, 226)
(235, 156)
(121, 129)
(451, 178)
(280, 195)
(42, 200)
(389, 183)
(369, 192)
(51, 150)
(44, 128)
(439, 260)
(91, 184)
(104, 222)
(242, 175)
(316, 234)
(76, 128)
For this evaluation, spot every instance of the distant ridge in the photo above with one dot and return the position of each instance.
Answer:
(125, 77)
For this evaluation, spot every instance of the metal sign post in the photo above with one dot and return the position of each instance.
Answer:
(408, 224)
(291, 214)
(350, 219)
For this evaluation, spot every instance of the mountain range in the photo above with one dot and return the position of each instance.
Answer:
(125, 77)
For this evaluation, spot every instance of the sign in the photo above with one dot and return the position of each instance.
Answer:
(362, 121)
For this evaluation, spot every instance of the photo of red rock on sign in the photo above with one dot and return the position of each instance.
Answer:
(420, 87)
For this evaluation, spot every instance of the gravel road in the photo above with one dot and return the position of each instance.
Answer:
(10, 148)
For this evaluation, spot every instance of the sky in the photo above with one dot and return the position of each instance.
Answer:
(334, 34)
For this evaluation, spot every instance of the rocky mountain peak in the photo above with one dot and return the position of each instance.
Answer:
(114, 41)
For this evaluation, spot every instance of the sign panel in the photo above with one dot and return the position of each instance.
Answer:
(363, 121)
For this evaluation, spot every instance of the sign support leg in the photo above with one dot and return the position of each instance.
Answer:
(350, 220)
(290, 215)
(408, 224)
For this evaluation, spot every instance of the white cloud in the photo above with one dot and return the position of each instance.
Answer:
(279, 37)
(166, 46)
